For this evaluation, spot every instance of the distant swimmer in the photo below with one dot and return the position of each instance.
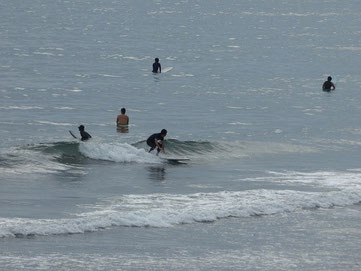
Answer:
(122, 119)
(84, 135)
(328, 85)
(157, 141)
(156, 66)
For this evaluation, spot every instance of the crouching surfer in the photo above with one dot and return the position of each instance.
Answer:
(157, 141)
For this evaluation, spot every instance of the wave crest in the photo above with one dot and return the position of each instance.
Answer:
(167, 210)
(117, 152)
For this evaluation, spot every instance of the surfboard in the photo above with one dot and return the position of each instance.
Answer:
(176, 160)
(168, 69)
(72, 134)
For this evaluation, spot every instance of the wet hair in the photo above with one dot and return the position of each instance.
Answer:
(329, 78)
(81, 127)
(163, 132)
(156, 59)
(122, 110)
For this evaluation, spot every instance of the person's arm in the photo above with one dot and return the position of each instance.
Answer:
(333, 86)
(163, 142)
(158, 146)
(156, 143)
(160, 68)
(117, 121)
(127, 120)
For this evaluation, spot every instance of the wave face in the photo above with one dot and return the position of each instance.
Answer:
(226, 150)
(41, 158)
(167, 210)
(60, 156)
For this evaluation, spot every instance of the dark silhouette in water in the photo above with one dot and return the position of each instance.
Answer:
(328, 85)
(84, 135)
(156, 66)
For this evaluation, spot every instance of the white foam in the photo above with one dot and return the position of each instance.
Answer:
(110, 75)
(167, 210)
(182, 74)
(338, 180)
(240, 123)
(75, 90)
(54, 123)
(116, 152)
(20, 107)
(44, 53)
(134, 58)
(64, 108)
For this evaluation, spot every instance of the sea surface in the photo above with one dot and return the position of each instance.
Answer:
(274, 176)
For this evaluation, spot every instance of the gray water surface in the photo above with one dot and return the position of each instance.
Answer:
(273, 181)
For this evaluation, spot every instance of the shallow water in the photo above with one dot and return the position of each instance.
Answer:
(273, 181)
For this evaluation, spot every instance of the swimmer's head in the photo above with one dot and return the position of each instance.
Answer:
(156, 59)
(122, 110)
(329, 78)
(81, 128)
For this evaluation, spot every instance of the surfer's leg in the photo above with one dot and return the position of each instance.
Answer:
(158, 149)
(151, 145)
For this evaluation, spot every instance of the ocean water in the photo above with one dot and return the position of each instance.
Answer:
(274, 176)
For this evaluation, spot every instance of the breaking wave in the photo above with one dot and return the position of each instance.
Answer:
(333, 189)
(60, 156)
(167, 210)
(116, 152)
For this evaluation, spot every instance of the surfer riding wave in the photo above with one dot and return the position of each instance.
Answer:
(157, 141)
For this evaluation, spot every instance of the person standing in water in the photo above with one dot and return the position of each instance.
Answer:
(84, 135)
(122, 119)
(156, 66)
(328, 85)
(157, 141)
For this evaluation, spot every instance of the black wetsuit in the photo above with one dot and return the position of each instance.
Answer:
(84, 136)
(327, 86)
(151, 141)
(156, 66)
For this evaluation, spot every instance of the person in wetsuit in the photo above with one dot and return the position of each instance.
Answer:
(153, 141)
(156, 66)
(84, 135)
(328, 85)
